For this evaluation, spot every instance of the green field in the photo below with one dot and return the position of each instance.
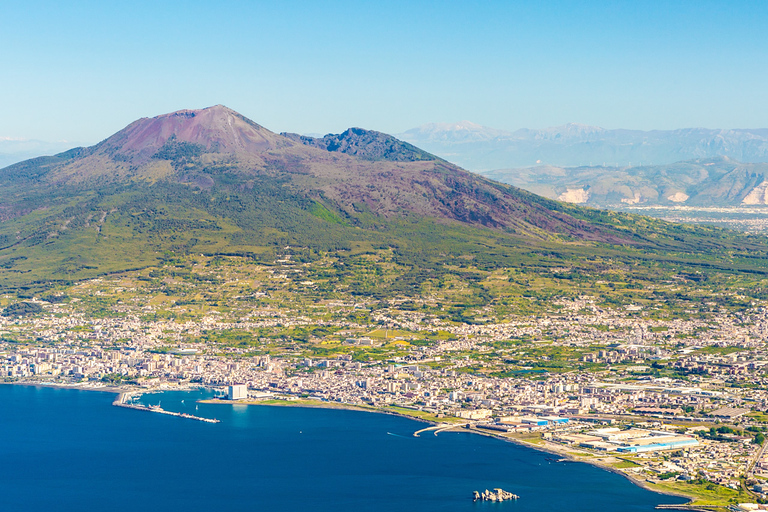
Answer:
(708, 495)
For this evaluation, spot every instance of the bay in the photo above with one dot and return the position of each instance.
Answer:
(64, 449)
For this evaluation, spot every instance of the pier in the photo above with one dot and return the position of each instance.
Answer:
(442, 427)
(433, 427)
(122, 401)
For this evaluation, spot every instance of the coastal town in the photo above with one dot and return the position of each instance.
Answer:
(668, 403)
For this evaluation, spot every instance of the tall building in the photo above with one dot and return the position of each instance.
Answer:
(237, 391)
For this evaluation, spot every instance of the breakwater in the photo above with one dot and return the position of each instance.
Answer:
(122, 401)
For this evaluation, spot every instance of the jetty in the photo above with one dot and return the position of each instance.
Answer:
(433, 427)
(494, 495)
(122, 401)
(441, 427)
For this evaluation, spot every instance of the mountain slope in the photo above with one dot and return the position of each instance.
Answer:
(211, 181)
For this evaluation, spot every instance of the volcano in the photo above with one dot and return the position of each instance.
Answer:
(212, 181)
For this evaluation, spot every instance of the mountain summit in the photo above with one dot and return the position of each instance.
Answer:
(216, 129)
(212, 181)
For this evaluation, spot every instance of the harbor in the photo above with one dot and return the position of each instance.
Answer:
(124, 400)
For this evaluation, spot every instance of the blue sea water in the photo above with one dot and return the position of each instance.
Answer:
(69, 450)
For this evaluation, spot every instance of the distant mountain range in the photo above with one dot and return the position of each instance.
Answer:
(708, 182)
(480, 148)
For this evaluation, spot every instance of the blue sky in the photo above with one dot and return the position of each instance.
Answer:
(81, 70)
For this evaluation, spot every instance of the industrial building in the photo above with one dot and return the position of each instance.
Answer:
(555, 420)
(534, 420)
(633, 440)
(681, 442)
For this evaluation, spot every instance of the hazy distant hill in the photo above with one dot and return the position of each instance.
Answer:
(453, 133)
(718, 181)
(17, 150)
(212, 181)
(477, 147)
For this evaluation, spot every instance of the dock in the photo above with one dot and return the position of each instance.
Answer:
(121, 401)
(433, 427)
(442, 427)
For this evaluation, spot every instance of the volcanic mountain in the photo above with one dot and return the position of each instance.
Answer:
(212, 181)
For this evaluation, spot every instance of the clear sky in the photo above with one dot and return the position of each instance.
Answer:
(81, 70)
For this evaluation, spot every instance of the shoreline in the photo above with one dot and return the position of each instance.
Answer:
(82, 386)
(314, 404)
(563, 453)
(78, 386)
(546, 447)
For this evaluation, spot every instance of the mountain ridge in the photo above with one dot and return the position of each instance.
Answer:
(367, 144)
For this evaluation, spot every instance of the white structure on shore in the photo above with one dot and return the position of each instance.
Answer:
(237, 392)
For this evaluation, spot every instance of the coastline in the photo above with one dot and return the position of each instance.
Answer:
(564, 453)
(546, 447)
(82, 386)
(79, 387)
(315, 404)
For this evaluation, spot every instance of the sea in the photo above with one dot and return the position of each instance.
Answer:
(71, 450)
